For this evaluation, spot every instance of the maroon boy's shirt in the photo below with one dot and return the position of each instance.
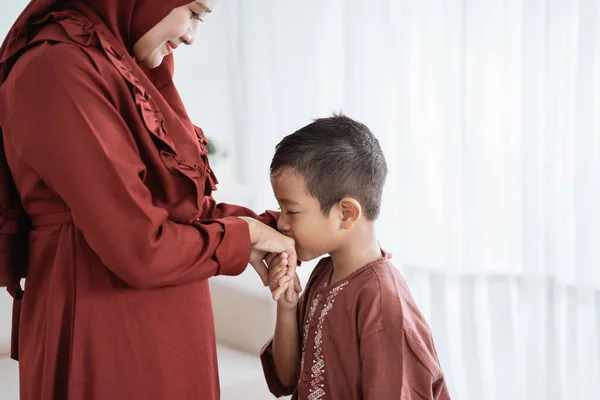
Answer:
(361, 338)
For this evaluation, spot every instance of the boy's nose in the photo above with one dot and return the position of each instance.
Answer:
(282, 225)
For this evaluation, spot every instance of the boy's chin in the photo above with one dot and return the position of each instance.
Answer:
(305, 256)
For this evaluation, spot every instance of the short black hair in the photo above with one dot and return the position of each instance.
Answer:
(338, 157)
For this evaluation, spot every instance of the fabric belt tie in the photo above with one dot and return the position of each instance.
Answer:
(14, 287)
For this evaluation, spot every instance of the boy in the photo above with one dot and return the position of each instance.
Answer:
(356, 332)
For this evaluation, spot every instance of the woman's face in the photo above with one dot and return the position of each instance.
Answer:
(176, 28)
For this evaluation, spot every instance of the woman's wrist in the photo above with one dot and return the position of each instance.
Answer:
(251, 227)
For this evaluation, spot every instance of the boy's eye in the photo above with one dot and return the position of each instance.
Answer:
(289, 212)
(196, 16)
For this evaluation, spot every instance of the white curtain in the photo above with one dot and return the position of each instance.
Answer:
(489, 115)
(488, 112)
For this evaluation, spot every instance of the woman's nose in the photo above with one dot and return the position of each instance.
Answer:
(189, 37)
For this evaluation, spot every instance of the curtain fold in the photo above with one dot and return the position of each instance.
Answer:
(488, 112)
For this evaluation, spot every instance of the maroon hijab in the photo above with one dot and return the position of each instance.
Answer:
(128, 20)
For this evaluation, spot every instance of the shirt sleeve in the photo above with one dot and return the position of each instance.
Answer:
(268, 365)
(63, 126)
(266, 354)
(398, 366)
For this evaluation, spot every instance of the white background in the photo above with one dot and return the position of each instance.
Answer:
(488, 112)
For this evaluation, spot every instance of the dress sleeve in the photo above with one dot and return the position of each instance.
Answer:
(63, 126)
(213, 210)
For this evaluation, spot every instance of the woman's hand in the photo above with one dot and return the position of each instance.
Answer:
(257, 262)
(264, 240)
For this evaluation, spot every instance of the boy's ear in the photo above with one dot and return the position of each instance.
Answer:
(351, 212)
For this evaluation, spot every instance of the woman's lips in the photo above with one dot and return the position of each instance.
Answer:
(170, 47)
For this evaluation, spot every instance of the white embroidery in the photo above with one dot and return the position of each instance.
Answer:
(311, 313)
(316, 388)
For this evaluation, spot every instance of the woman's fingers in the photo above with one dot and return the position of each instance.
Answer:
(261, 269)
(272, 259)
(283, 280)
(297, 284)
(291, 273)
(276, 279)
(278, 292)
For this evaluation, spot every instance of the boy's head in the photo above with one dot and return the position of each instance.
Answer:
(327, 177)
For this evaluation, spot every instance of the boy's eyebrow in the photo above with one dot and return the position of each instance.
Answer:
(289, 202)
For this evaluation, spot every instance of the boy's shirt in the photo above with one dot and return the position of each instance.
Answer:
(361, 338)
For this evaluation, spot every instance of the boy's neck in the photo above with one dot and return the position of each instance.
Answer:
(360, 249)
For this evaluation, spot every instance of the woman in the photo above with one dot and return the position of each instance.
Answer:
(114, 179)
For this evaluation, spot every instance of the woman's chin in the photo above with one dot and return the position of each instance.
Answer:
(153, 60)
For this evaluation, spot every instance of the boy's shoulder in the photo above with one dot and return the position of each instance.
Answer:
(379, 279)
(377, 292)
(384, 302)
(387, 313)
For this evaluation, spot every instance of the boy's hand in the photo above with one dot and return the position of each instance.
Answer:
(275, 260)
(280, 282)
